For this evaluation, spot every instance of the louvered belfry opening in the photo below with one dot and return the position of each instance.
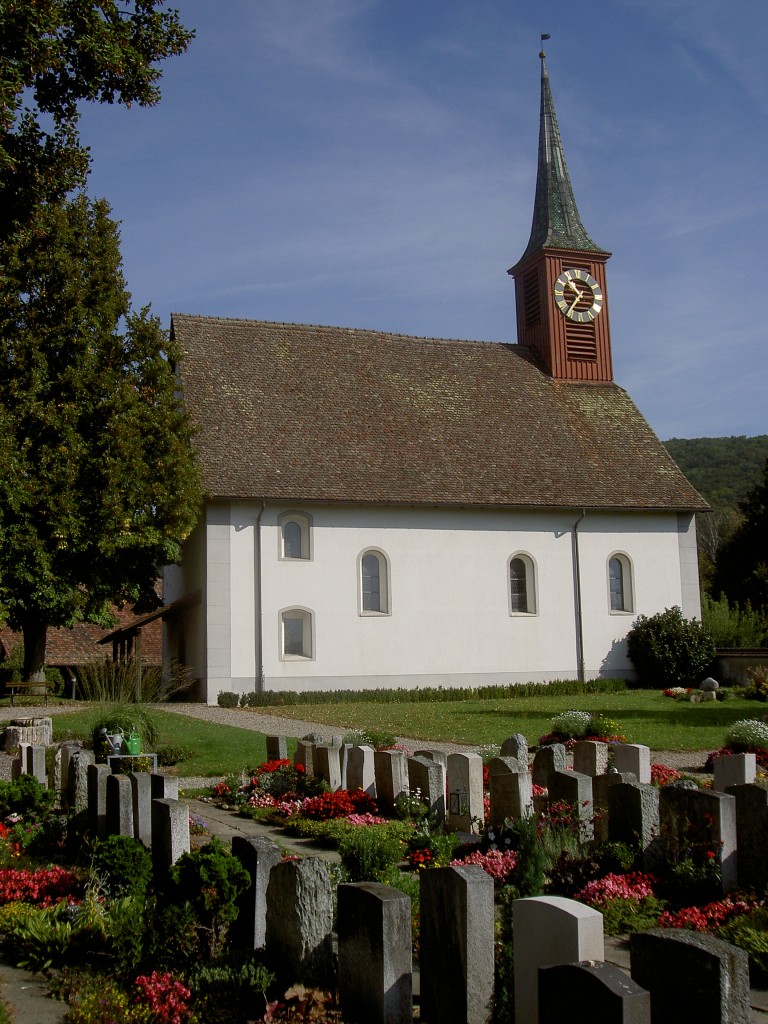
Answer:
(532, 297)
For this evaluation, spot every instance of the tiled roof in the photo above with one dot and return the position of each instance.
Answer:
(79, 645)
(301, 413)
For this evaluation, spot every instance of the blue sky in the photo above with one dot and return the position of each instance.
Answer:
(371, 163)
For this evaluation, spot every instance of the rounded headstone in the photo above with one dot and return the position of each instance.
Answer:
(709, 684)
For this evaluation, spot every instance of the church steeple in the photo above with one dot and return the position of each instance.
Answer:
(560, 278)
(556, 220)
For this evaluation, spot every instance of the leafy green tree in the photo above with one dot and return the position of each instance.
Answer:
(54, 55)
(742, 563)
(98, 481)
(733, 626)
(668, 650)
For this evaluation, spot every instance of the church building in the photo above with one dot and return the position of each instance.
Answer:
(394, 511)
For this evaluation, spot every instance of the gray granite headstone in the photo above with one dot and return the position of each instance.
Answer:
(141, 797)
(374, 933)
(456, 944)
(302, 755)
(299, 922)
(691, 976)
(590, 757)
(546, 761)
(464, 781)
(752, 835)
(97, 798)
(170, 834)
(733, 770)
(391, 771)
(119, 805)
(635, 758)
(258, 855)
(515, 746)
(327, 764)
(575, 789)
(78, 778)
(277, 748)
(61, 770)
(428, 777)
(596, 992)
(633, 818)
(707, 818)
(511, 796)
(163, 787)
(360, 770)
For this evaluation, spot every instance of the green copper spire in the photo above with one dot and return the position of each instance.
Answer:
(556, 220)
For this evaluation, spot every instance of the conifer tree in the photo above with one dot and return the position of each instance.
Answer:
(98, 481)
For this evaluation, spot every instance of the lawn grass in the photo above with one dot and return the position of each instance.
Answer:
(644, 716)
(214, 749)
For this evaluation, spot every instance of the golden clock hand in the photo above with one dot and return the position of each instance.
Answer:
(579, 296)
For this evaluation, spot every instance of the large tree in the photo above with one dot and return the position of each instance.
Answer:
(98, 481)
(54, 55)
(742, 562)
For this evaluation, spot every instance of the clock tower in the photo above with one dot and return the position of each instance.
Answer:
(560, 278)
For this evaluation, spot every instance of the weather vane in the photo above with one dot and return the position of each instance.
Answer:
(544, 35)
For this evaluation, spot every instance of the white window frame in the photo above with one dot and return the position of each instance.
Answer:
(307, 618)
(304, 521)
(385, 601)
(627, 584)
(531, 590)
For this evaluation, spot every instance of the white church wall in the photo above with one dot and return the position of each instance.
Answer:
(449, 620)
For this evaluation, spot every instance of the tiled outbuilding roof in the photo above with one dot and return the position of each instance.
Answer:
(300, 413)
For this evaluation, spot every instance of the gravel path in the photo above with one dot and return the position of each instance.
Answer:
(274, 725)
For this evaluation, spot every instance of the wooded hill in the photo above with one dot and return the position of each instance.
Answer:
(722, 469)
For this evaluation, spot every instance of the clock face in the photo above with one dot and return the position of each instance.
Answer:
(578, 295)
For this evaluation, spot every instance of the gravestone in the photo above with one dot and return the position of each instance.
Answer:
(433, 755)
(97, 798)
(590, 757)
(391, 771)
(61, 770)
(547, 931)
(36, 764)
(466, 812)
(546, 761)
(302, 755)
(428, 777)
(299, 922)
(701, 818)
(633, 818)
(575, 789)
(78, 778)
(733, 770)
(277, 748)
(600, 786)
(360, 770)
(119, 795)
(344, 750)
(511, 796)
(327, 765)
(258, 855)
(597, 994)
(375, 964)
(141, 797)
(691, 976)
(516, 746)
(456, 945)
(38, 731)
(635, 758)
(751, 835)
(170, 834)
(163, 787)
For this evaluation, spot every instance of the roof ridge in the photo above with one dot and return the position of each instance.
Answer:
(338, 327)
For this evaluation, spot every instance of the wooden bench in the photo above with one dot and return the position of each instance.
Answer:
(13, 688)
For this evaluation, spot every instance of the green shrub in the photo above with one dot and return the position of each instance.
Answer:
(623, 916)
(167, 756)
(747, 734)
(227, 699)
(26, 796)
(750, 933)
(122, 865)
(668, 650)
(369, 851)
(231, 991)
(209, 880)
(732, 626)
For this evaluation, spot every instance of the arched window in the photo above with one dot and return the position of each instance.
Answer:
(522, 585)
(295, 535)
(374, 583)
(296, 640)
(620, 583)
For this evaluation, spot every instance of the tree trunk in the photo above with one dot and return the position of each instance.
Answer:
(35, 633)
